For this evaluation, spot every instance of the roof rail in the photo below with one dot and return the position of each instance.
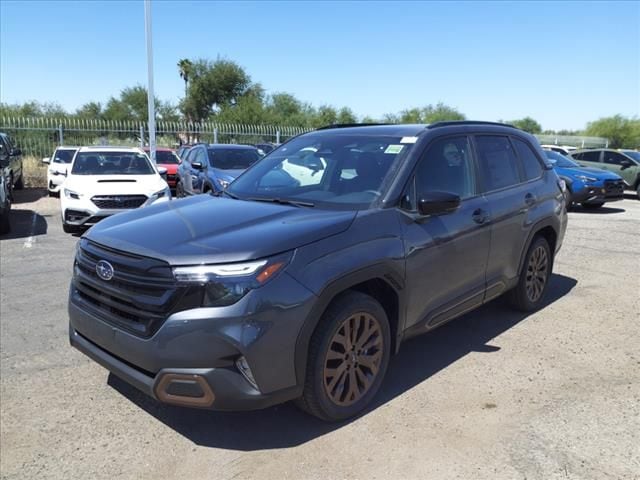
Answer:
(347, 125)
(467, 122)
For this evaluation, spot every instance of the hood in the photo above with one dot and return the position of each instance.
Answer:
(596, 173)
(207, 229)
(115, 184)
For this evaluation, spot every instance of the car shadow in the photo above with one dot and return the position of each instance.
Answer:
(597, 211)
(630, 196)
(285, 426)
(25, 223)
(28, 195)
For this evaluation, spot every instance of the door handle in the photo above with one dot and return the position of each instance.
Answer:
(530, 199)
(480, 216)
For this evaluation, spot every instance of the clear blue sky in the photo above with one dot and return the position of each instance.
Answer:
(563, 63)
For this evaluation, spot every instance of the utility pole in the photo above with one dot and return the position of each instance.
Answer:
(150, 95)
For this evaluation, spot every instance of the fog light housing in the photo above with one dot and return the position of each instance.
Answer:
(245, 370)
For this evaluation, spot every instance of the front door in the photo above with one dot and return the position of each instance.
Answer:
(446, 254)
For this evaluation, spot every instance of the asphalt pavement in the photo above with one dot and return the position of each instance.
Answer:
(492, 395)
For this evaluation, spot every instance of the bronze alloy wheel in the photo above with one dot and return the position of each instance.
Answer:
(537, 273)
(353, 359)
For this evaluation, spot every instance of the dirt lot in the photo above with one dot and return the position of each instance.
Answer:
(493, 395)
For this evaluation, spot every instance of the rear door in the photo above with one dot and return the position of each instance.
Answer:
(510, 173)
(591, 158)
(446, 254)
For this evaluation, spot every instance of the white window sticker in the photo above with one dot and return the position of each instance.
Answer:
(409, 140)
(394, 149)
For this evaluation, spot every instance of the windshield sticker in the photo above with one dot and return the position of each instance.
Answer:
(409, 140)
(394, 149)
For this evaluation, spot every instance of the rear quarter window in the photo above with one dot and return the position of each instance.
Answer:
(531, 165)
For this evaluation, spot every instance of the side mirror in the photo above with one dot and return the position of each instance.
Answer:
(626, 164)
(162, 170)
(15, 152)
(197, 165)
(315, 165)
(46, 160)
(438, 203)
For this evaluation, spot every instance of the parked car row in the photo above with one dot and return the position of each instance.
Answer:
(11, 177)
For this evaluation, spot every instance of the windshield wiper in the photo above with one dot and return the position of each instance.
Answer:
(281, 201)
(224, 192)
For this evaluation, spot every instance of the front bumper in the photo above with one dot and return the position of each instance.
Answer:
(598, 194)
(84, 212)
(198, 348)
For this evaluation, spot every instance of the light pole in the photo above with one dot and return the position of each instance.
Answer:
(150, 95)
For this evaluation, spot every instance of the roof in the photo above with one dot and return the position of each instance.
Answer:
(377, 129)
(159, 149)
(109, 148)
(233, 146)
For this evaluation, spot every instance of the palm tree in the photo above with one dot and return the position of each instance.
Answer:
(185, 67)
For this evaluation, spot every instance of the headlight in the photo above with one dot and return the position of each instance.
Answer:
(71, 194)
(165, 192)
(223, 183)
(586, 179)
(226, 284)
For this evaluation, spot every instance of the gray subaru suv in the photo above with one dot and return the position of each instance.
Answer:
(303, 278)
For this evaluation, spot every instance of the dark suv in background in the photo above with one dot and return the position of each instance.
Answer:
(11, 159)
(302, 278)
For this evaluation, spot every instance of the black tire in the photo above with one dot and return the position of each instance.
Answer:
(356, 312)
(5, 225)
(528, 295)
(179, 190)
(19, 185)
(638, 191)
(568, 196)
(592, 206)
(71, 228)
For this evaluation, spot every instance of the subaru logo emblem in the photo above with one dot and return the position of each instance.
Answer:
(104, 270)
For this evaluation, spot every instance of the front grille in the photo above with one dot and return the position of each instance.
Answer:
(614, 187)
(139, 297)
(118, 201)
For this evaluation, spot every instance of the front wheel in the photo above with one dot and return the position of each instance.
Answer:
(348, 357)
(528, 294)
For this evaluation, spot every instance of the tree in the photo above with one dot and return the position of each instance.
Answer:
(214, 86)
(185, 67)
(621, 132)
(427, 114)
(527, 124)
(91, 110)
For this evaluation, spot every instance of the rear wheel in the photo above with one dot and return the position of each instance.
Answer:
(348, 357)
(592, 206)
(528, 294)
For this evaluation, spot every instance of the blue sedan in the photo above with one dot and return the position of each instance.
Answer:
(590, 187)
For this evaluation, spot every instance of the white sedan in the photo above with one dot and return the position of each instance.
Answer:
(58, 164)
(103, 181)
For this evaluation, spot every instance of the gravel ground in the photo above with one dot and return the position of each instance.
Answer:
(493, 395)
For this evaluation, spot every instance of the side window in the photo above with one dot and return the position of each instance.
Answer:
(576, 156)
(447, 166)
(591, 156)
(497, 161)
(532, 167)
(613, 158)
(199, 156)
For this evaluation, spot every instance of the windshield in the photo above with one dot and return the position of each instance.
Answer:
(558, 160)
(232, 158)
(633, 154)
(329, 170)
(111, 163)
(166, 157)
(63, 156)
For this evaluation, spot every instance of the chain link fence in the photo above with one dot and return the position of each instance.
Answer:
(573, 141)
(38, 137)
